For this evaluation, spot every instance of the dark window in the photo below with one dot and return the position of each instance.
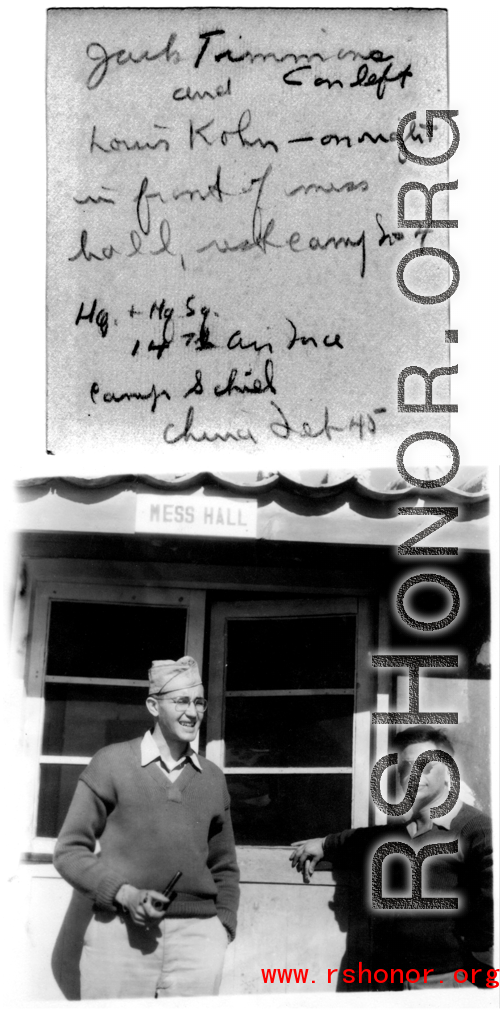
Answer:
(308, 652)
(275, 810)
(289, 706)
(112, 640)
(297, 730)
(109, 642)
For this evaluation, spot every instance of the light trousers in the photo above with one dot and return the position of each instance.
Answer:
(175, 958)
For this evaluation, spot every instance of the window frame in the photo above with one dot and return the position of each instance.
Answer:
(94, 591)
(364, 690)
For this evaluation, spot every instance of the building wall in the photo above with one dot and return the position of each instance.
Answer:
(282, 924)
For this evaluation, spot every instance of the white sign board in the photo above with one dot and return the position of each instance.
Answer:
(197, 516)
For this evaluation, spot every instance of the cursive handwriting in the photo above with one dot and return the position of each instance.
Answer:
(223, 138)
(261, 236)
(94, 200)
(181, 94)
(233, 344)
(366, 80)
(349, 187)
(119, 145)
(117, 398)
(102, 59)
(327, 341)
(365, 424)
(188, 435)
(257, 57)
(258, 385)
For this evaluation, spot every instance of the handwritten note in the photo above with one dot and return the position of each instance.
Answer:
(223, 240)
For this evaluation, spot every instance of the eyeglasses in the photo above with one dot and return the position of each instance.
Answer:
(183, 703)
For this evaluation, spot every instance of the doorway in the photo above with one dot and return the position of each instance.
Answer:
(287, 717)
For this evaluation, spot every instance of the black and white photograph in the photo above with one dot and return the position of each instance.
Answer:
(251, 620)
(250, 493)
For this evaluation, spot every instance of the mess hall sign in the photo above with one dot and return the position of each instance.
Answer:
(196, 516)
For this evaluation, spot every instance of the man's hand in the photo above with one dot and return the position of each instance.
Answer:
(144, 906)
(307, 853)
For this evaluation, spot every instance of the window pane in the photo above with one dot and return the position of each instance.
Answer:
(275, 810)
(80, 719)
(98, 641)
(289, 731)
(112, 640)
(57, 786)
(291, 652)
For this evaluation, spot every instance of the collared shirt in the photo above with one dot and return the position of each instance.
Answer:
(444, 822)
(172, 769)
(446, 819)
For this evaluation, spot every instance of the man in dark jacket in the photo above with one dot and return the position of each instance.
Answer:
(156, 808)
(413, 948)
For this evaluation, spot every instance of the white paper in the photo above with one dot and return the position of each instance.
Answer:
(223, 236)
(78, 450)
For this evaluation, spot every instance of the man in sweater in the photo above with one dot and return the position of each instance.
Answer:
(156, 808)
(414, 940)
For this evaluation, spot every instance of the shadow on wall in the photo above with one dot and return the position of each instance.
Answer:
(349, 909)
(67, 952)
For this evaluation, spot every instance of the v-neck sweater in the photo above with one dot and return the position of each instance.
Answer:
(439, 938)
(148, 829)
